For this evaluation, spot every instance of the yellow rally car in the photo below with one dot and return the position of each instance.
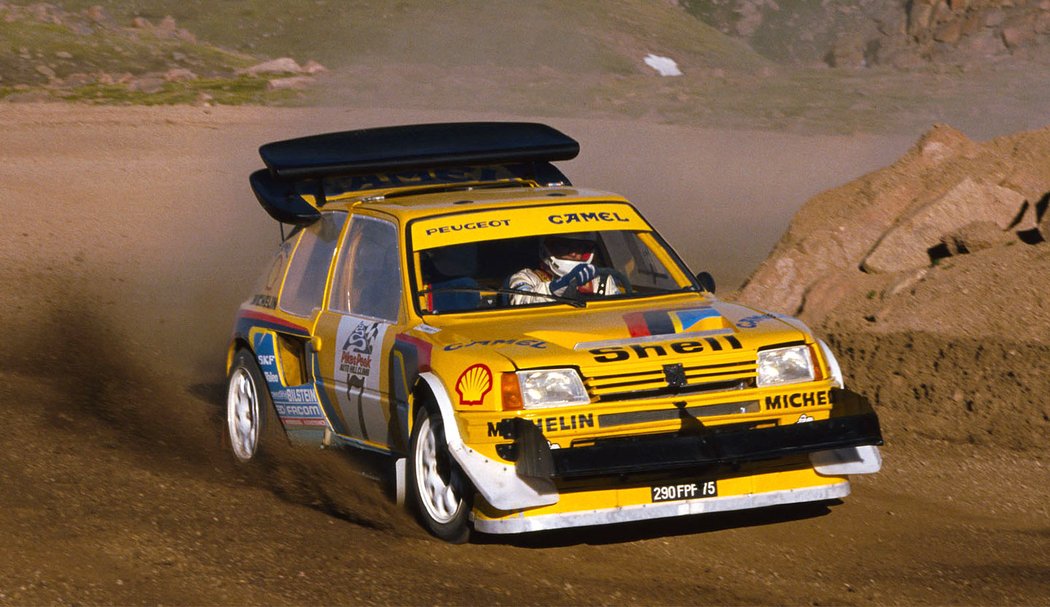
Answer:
(531, 355)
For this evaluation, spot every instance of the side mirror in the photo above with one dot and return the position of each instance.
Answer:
(707, 282)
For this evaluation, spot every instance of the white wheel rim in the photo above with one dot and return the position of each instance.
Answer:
(242, 414)
(434, 485)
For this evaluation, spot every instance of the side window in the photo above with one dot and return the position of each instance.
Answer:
(269, 284)
(368, 280)
(304, 286)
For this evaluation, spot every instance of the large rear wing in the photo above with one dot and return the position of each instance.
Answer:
(409, 156)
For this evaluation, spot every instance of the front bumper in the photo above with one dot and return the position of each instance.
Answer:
(853, 423)
(522, 523)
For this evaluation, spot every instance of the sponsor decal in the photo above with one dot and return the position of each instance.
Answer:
(470, 225)
(473, 384)
(359, 362)
(693, 320)
(356, 356)
(560, 423)
(524, 343)
(418, 346)
(425, 328)
(669, 322)
(612, 354)
(804, 419)
(264, 301)
(798, 400)
(750, 322)
(601, 217)
(247, 319)
(297, 405)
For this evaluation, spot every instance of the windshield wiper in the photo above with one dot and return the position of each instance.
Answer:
(576, 303)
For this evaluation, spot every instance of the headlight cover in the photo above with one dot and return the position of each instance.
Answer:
(785, 366)
(551, 388)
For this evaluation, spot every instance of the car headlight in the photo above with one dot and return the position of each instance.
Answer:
(785, 366)
(551, 388)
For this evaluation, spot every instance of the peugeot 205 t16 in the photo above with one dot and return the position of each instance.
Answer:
(529, 354)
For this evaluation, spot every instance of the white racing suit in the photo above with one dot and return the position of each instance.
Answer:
(539, 281)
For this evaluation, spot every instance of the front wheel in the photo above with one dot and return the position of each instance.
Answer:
(440, 492)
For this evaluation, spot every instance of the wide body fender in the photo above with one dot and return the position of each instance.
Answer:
(497, 482)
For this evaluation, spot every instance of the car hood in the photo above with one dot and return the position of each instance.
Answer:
(546, 336)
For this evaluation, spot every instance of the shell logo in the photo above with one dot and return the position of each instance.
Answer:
(473, 384)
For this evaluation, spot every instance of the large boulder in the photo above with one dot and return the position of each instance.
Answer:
(947, 196)
(907, 245)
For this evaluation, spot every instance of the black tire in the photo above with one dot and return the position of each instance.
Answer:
(252, 428)
(440, 492)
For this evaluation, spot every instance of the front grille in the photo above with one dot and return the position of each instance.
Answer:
(651, 380)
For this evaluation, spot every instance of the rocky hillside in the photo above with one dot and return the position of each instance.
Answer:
(900, 33)
(767, 69)
(930, 278)
(89, 55)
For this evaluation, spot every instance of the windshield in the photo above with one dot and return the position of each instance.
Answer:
(532, 270)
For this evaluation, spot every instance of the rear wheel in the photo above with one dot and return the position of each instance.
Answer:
(440, 491)
(251, 424)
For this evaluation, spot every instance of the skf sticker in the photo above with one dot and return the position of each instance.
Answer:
(473, 384)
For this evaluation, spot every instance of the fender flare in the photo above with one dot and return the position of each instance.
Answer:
(497, 482)
(833, 364)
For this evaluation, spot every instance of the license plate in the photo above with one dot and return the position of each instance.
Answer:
(684, 491)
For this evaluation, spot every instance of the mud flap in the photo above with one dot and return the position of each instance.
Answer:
(850, 460)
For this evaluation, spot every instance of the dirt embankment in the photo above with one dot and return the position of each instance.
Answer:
(130, 237)
(930, 279)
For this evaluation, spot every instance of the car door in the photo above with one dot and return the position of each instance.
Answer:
(358, 328)
(304, 262)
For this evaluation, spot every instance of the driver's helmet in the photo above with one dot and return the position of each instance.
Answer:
(563, 253)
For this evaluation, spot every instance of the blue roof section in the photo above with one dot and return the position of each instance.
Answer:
(395, 149)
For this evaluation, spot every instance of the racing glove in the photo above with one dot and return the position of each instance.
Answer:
(576, 277)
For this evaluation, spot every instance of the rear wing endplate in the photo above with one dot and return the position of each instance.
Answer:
(403, 156)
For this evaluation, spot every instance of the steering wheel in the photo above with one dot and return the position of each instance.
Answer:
(616, 275)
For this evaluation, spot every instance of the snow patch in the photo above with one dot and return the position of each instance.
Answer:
(665, 65)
